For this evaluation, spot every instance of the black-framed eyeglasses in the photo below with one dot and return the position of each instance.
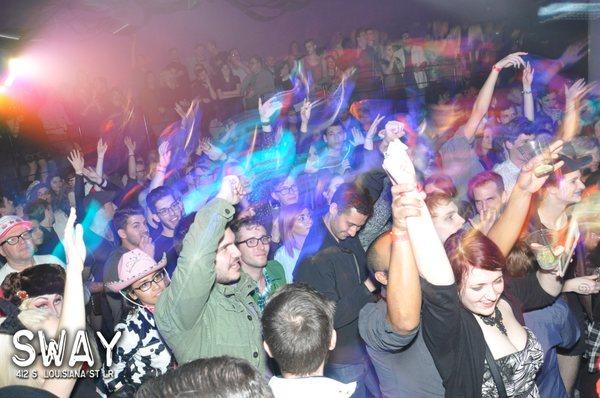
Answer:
(253, 242)
(157, 278)
(287, 190)
(13, 240)
(174, 208)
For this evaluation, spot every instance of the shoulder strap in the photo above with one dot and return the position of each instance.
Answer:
(495, 371)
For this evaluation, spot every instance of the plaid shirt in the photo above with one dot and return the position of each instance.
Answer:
(592, 341)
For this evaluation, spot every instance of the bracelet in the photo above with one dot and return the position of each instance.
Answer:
(131, 154)
(496, 68)
(161, 169)
(526, 92)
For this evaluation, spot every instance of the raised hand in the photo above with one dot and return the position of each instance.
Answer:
(74, 244)
(101, 148)
(575, 93)
(357, 137)
(76, 160)
(528, 73)
(528, 181)
(486, 221)
(267, 109)
(373, 127)
(395, 128)
(147, 246)
(130, 144)
(573, 53)
(164, 155)
(91, 175)
(404, 205)
(511, 60)
(232, 190)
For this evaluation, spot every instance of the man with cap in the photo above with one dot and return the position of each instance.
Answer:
(17, 247)
(560, 192)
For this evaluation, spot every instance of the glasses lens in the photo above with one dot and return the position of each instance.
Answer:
(13, 240)
(159, 276)
(265, 240)
(252, 242)
(144, 287)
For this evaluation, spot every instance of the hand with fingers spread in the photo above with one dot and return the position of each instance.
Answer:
(573, 53)
(529, 180)
(528, 74)
(130, 144)
(510, 61)
(576, 92)
(101, 148)
(90, 174)
(357, 137)
(74, 244)
(164, 155)
(232, 190)
(267, 109)
(76, 160)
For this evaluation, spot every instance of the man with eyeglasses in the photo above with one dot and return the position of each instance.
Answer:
(166, 209)
(253, 243)
(208, 309)
(16, 246)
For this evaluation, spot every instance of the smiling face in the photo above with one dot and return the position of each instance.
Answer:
(168, 211)
(569, 189)
(480, 290)
(227, 260)
(148, 297)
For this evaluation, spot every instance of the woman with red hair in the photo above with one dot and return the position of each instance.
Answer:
(472, 314)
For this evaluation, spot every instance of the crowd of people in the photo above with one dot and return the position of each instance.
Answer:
(359, 221)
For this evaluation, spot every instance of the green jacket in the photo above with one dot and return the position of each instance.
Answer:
(200, 318)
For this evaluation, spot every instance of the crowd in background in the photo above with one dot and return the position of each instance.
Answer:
(373, 210)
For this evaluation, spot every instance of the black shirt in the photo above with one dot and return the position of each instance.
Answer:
(456, 340)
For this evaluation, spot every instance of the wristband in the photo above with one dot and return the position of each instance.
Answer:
(496, 68)
(131, 154)
(161, 169)
(526, 92)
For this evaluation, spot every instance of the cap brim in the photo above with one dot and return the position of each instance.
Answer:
(574, 164)
(119, 285)
(24, 223)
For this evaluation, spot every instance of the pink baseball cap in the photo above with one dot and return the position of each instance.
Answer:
(8, 223)
(133, 266)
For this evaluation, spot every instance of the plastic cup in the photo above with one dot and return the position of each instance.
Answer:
(541, 243)
(536, 147)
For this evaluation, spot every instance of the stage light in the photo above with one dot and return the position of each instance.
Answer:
(21, 66)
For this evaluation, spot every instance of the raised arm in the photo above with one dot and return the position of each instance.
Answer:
(101, 148)
(130, 144)
(72, 317)
(482, 103)
(528, 107)
(183, 302)
(505, 232)
(573, 95)
(404, 287)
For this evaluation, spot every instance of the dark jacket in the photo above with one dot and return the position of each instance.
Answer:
(338, 270)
